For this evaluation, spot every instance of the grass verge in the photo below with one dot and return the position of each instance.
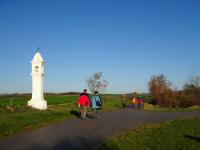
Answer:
(157, 108)
(178, 134)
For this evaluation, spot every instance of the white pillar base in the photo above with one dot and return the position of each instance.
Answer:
(38, 104)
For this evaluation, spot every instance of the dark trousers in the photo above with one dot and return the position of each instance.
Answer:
(123, 105)
(139, 105)
(95, 112)
(133, 105)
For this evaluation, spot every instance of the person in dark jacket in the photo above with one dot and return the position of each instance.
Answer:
(85, 93)
(83, 103)
(140, 102)
(123, 100)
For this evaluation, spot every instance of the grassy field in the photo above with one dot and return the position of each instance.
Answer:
(173, 135)
(59, 108)
(51, 100)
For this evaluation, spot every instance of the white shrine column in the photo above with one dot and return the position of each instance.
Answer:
(37, 101)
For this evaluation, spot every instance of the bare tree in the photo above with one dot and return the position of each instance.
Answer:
(195, 81)
(191, 91)
(96, 82)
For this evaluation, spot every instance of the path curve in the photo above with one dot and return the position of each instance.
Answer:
(86, 134)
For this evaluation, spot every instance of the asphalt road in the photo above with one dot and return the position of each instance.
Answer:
(87, 134)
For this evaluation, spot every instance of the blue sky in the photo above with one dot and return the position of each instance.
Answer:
(129, 41)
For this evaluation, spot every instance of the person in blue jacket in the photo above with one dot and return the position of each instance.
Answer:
(96, 104)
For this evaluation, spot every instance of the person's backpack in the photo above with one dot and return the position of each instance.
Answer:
(97, 102)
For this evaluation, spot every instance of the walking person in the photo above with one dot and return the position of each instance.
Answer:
(83, 103)
(123, 100)
(96, 104)
(140, 100)
(134, 101)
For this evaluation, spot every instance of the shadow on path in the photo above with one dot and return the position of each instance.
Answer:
(78, 143)
(75, 113)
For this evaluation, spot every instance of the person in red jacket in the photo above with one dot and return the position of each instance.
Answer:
(83, 103)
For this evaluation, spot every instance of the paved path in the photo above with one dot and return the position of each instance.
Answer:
(86, 134)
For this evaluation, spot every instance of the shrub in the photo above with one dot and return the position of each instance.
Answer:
(163, 95)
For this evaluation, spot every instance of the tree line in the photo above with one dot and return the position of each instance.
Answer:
(163, 95)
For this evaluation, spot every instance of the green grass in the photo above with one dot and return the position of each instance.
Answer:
(111, 102)
(60, 99)
(51, 100)
(59, 107)
(26, 118)
(19, 101)
(157, 108)
(173, 135)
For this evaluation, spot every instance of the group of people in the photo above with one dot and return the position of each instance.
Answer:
(135, 102)
(84, 102)
(138, 102)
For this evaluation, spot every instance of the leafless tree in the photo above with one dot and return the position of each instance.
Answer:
(96, 82)
(191, 91)
(195, 81)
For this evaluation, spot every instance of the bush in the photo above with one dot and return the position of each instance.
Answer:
(163, 95)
